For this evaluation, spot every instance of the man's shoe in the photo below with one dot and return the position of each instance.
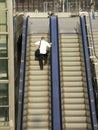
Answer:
(41, 68)
(45, 62)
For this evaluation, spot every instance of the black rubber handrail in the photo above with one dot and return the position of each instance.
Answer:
(88, 74)
(55, 75)
(22, 75)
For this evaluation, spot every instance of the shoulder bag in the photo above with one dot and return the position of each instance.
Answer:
(37, 52)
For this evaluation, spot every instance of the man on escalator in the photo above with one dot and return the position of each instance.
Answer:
(43, 53)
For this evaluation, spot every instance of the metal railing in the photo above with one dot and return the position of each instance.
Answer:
(91, 39)
(48, 6)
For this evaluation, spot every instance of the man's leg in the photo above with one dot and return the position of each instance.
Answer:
(45, 58)
(41, 61)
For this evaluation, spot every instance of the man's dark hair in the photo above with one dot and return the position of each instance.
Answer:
(42, 38)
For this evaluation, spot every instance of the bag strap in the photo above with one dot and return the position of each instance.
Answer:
(40, 44)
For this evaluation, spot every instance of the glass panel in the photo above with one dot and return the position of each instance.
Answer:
(3, 15)
(3, 45)
(3, 94)
(3, 69)
(2, 4)
(4, 116)
(3, 21)
(4, 111)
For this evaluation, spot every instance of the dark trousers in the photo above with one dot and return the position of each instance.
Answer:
(42, 60)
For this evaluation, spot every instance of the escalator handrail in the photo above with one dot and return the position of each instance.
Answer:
(88, 74)
(22, 75)
(55, 76)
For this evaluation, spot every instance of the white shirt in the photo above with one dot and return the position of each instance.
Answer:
(43, 46)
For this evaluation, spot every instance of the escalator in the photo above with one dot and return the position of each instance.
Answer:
(92, 33)
(77, 94)
(36, 90)
(36, 111)
(75, 108)
(57, 97)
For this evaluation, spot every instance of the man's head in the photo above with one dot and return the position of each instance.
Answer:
(42, 38)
